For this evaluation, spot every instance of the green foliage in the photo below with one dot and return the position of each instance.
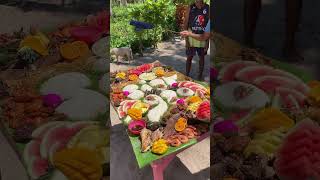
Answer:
(160, 13)
(188, 1)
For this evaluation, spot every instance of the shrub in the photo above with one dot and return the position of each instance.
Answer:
(160, 13)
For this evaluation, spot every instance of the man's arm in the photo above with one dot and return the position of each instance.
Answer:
(200, 37)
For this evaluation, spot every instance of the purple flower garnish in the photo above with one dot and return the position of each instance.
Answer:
(180, 101)
(126, 93)
(226, 126)
(174, 85)
(52, 100)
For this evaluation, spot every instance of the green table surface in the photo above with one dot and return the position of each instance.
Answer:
(147, 158)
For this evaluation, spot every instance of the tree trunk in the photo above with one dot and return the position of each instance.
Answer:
(181, 10)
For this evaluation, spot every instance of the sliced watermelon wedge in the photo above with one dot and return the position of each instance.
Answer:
(250, 73)
(228, 71)
(270, 83)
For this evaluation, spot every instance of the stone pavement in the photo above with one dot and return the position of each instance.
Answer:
(271, 28)
(171, 53)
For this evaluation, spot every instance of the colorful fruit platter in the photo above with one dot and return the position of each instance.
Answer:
(58, 129)
(68, 43)
(267, 122)
(56, 117)
(164, 111)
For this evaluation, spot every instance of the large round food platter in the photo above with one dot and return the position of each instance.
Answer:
(267, 122)
(163, 110)
(55, 117)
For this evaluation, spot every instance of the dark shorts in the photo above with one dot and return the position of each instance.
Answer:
(192, 51)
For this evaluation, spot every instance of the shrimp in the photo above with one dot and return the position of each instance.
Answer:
(192, 127)
(189, 133)
(183, 138)
(175, 143)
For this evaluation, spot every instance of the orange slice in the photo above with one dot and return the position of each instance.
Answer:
(82, 48)
(69, 52)
(180, 125)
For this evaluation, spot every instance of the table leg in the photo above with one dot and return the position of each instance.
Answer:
(159, 166)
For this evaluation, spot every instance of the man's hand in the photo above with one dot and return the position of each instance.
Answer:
(185, 33)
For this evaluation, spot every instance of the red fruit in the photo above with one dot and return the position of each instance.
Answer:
(203, 112)
(145, 67)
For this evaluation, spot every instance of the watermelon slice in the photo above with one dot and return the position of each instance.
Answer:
(31, 150)
(228, 72)
(250, 73)
(121, 113)
(298, 156)
(145, 68)
(124, 106)
(40, 131)
(54, 135)
(37, 167)
(284, 92)
(289, 102)
(193, 86)
(270, 83)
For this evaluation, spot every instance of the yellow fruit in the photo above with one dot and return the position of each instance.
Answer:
(159, 72)
(133, 77)
(194, 99)
(82, 48)
(194, 106)
(314, 83)
(78, 163)
(142, 106)
(68, 51)
(69, 172)
(43, 38)
(269, 119)
(314, 94)
(121, 75)
(36, 44)
(93, 137)
(159, 147)
(181, 124)
(135, 113)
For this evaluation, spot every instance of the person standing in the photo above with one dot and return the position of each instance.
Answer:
(252, 10)
(196, 19)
